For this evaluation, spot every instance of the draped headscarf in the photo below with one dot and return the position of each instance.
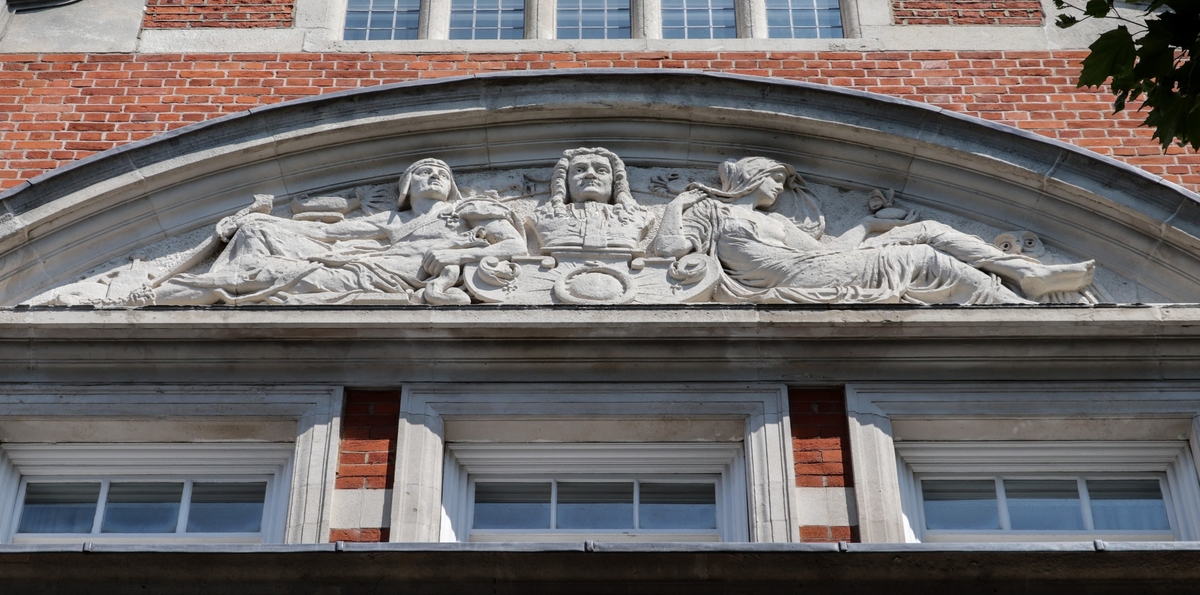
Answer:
(743, 177)
(406, 181)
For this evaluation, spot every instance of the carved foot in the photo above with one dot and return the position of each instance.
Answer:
(440, 291)
(1037, 280)
(450, 297)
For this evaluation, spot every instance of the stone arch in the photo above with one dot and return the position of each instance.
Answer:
(69, 220)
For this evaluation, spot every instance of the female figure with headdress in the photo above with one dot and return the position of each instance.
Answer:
(770, 249)
(418, 247)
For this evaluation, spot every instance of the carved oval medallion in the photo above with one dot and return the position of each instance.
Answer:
(595, 284)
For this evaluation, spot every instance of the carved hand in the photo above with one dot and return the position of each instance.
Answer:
(689, 198)
(228, 226)
(880, 225)
(436, 260)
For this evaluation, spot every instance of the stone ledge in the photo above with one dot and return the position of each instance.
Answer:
(599, 322)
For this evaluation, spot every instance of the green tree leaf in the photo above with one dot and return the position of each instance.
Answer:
(1113, 55)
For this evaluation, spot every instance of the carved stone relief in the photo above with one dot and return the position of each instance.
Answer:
(590, 231)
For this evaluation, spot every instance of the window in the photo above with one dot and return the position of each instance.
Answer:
(662, 508)
(487, 19)
(698, 19)
(1118, 508)
(804, 18)
(228, 511)
(610, 492)
(1048, 490)
(593, 19)
(590, 19)
(382, 19)
(146, 493)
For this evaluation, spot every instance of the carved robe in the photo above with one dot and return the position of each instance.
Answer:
(761, 266)
(277, 260)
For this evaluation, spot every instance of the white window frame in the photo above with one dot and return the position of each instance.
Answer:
(886, 416)
(723, 462)
(1169, 462)
(541, 24)
(180, 419)
(97, 463)
(760, 411)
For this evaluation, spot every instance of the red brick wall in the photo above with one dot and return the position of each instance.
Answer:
(821, 448)
(226, 14)
(367, 459)
(966, 12)
(56, 108)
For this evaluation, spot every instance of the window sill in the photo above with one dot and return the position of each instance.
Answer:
(611, 537)
(1043, 537)
(138, 539)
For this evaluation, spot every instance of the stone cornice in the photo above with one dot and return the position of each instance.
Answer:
(708, 322)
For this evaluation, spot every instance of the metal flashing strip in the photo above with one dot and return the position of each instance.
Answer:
(610, 548)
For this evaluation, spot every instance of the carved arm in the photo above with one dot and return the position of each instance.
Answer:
(670, 240)
(496, 237)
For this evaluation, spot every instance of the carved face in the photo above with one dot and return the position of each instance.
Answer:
(770, 188)
(590, 177)
(430, 182)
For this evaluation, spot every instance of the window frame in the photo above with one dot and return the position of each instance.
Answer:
(147, 462)
(723, 463)
(884, 417)
(541, 23)
(1169, 462)
(305, 419)
(757, 411)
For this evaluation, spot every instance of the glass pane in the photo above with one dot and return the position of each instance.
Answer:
(678, 506)
(779, 18)
(830, 17)
(407, 20)
(593, 18)
(356, 20)
(500, 505)
(1128, 505)
(595, 505)
(226, 507)
(59, 508)
(1044, 504)
(381, 20)
(487, 20)
(960, 504)
(512, 20)
(142, 508)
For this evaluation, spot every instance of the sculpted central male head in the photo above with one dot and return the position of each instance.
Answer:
(590, 175)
